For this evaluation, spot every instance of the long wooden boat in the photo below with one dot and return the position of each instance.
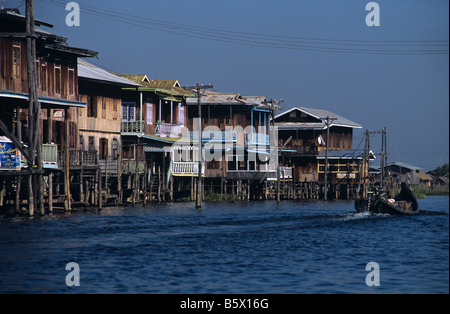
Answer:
(380, 205)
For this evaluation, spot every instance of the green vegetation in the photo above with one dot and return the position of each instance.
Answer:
(216, 197)
(441, 171)
(421, 191)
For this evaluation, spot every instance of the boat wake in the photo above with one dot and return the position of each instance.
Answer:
(362, 215)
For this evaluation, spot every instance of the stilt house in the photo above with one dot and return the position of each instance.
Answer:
(303, 141)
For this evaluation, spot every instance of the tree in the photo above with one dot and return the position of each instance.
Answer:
(441, 171)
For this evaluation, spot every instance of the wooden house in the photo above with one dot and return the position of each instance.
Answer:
(235, 138)
(403, 172)
(154, 117)
(302, 139)
(95, 131)
(58, 91)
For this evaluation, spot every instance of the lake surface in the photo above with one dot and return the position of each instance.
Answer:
(248, 247)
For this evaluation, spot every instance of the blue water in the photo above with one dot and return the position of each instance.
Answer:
(248, 247)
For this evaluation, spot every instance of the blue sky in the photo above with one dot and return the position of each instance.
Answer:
(406, 93)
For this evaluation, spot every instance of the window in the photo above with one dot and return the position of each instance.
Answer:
(129, 111)
(124, 112)
(103, 148)
(43, 80)
(81, 142)
(91, 146)
(132, 113)
(104, 108)
(92, 106)
(149, 113)
(128, 152)
(38, 67)
(180, 114)
(115, 102)
(115, 148)
(71, 81)
(16, 59)
(57, 78)
(72, 134)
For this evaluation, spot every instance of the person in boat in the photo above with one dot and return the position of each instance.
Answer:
(406, 195)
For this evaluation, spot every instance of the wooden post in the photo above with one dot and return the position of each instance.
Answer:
(18, 186)
(67, 205)
(100, 190)
(159, 183)
(325, 196)
(171, 188)
(80, 183)
(32, 87)
(50, 192)
(192, 189)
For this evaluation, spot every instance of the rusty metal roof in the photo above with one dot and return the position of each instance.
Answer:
(213, 97)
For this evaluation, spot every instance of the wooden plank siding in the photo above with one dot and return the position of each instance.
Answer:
(99, 123)
(47, 69)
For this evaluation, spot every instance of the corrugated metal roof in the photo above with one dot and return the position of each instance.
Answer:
(300, 126)
(89, 71)
(213, 97)
(322, 115)
(166, 89)
(403, 165)
(341, 154)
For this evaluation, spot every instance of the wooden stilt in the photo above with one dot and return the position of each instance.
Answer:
(50, 192)
(18, 186)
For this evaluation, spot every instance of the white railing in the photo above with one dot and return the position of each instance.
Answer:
(257, 139)
(186, 168)
(132, 127)
(215, 136)
(168, 130)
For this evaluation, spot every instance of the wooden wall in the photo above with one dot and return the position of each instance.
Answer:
(47, 65)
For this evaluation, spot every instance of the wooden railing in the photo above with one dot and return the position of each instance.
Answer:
(129, 166)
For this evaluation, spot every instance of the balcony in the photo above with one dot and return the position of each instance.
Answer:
(169, 130)
(300, 150)
(260, 139)
(132, 127)
(82, 158)
(186, 169)
(215, 136)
